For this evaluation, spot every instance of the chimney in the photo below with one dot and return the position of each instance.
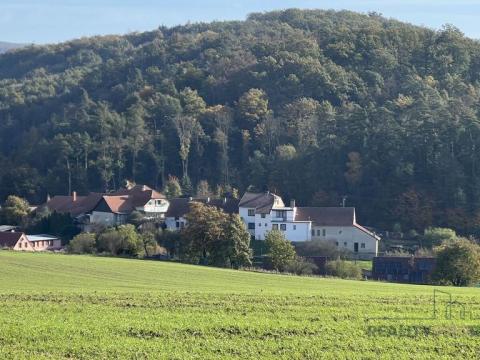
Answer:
(292, 203)
(74, 196)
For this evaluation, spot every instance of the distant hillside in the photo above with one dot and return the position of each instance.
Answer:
(5, 46)
(314, 105)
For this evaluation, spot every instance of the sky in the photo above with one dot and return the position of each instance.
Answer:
(50, 21)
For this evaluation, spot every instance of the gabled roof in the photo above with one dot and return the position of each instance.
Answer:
(179, 207)
(65, 204)
(121, 201)
(261, 202)
(41, 237)
(9, 239)
(326, 216)
(119, 204)
(141, 194)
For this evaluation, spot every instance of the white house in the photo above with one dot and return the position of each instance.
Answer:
(263, 212)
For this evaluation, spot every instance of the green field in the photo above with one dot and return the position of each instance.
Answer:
(64, 307)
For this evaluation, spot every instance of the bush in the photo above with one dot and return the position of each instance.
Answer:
(84, 243)
(280, 251)
(437, 236)
(321, 248)
(343, 269)
(300, 266)
(123, 240)
(458, 263)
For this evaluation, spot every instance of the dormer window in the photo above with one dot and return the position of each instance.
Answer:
(251, 212)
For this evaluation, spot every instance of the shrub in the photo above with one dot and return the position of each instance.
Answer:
(123, 240)
(458, 263)
(82, 244)
(281, 252)
(343, 269)
(437, 236)
(321, 248)
(300, 266)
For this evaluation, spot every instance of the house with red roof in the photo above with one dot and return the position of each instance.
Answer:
(113, 208)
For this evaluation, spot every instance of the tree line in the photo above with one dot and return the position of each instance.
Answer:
(315, 105)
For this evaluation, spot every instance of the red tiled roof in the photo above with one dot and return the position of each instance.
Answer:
(121, 201)
(119, 204)
(65, 204)
(9, 239)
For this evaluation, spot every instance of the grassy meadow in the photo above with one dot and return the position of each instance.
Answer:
(82, 307)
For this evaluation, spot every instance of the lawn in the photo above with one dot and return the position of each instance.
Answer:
(63, 307)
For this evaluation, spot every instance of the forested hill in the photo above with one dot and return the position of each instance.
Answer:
(312, 104)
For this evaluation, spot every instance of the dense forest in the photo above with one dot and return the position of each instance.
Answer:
(315, 105)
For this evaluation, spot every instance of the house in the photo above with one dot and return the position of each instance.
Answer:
(111, 209)
(21, 242)
(44, 242)
(263, 212)
(15, 241)
(338, 225)
(179, 207)
(407, 269)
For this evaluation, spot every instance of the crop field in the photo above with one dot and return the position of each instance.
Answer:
(81, 307)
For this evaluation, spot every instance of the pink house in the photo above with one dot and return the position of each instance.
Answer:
(20, 242)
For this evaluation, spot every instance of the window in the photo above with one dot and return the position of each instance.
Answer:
(294, 227)
(324, 232)
(182, 224)
(283, 227)
(362, 245)
(336, 243)
(177, 224)
(259, 224)
(265, 224)
(313, 232)
(251, 226)
(318, 232)
(345, 244)
(251, 212)
(280, 213)
(263, 216)
(274, 226)
(340, 231)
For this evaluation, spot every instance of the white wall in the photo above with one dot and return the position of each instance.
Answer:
(155, 207)
(295, 230)
(349, 235)
(243, 212)
(171, 223)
